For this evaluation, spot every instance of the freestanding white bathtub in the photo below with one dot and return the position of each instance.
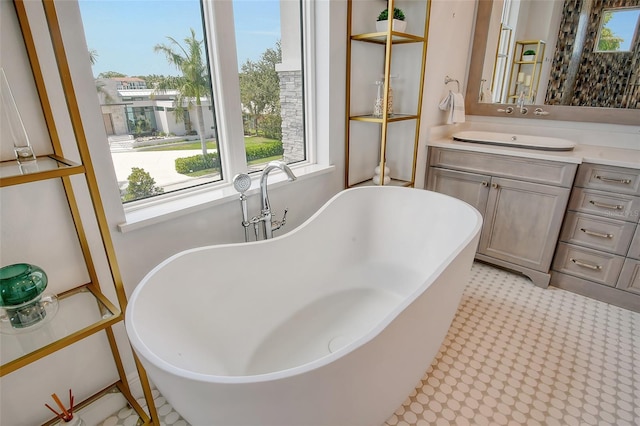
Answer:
(333, 323)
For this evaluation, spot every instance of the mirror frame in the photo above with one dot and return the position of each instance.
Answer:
(556, 112)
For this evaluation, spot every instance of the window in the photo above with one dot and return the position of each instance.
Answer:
(158, 84)
(618, 30)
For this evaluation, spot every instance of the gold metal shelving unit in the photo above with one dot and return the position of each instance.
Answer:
(532, 69)
(84, 306)
(501, 62)
(391, 40)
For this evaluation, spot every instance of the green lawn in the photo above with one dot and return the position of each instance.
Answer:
(193, 145)
(180, 146)
(211, 144)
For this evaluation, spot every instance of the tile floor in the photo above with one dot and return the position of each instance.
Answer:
(517, 354)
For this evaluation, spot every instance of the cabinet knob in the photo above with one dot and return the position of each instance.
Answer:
(485, 183)
(494, 185)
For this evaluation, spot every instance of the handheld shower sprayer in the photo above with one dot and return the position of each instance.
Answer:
(242, 182)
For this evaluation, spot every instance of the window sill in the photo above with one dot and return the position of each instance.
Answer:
(157, 211)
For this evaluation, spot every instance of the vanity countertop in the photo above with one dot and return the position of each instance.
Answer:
(619, 157)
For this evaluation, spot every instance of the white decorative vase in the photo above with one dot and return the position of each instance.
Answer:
(76, 420)
(376, 177)
(398, 25)
(376, 180)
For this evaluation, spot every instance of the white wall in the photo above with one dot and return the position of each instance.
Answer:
(450, 32)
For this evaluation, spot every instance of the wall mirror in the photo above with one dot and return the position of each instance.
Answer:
(544, 57)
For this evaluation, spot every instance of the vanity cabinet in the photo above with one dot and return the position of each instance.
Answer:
(599, 250)
(522, 202)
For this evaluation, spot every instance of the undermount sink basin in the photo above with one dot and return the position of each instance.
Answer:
(517, 141)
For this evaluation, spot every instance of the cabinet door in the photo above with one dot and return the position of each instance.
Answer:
(630, 276)
(471, 188)
(634, 249)
(522, 222)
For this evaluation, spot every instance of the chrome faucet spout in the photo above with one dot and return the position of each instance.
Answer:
(265, 214)
(521, 102)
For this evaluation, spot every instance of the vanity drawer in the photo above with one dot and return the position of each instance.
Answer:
(634, 249)
(607, 204)
(531, 170)
(609, 178)
(630, 276)
(593, 265)
(600, 233)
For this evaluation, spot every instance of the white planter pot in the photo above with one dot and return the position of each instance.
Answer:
(529, 58)
(398, 25)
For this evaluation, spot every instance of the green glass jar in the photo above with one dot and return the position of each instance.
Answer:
(21, 287)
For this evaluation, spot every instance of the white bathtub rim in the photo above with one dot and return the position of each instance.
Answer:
(145, 352)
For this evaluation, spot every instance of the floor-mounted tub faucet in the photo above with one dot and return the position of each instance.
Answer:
(265, 219)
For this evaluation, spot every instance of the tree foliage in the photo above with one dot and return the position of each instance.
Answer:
(608, 41)
(260, 87)
(194, 84)
(141, 185)
(160, 80)
(93, 59)
(111, 74)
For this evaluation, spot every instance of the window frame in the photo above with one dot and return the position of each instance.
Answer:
(220, 31)
(150, 211)
(601, 26)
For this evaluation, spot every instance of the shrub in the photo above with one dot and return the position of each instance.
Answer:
(186, 165)
(141, 185)
(264, 150)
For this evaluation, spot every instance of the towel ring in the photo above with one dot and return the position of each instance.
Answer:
(448, 80)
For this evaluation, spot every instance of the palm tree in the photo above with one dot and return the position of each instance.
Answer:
(93, 59)
(194, 83)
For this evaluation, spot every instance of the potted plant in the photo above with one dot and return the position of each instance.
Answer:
(399, 23)
(529, 55)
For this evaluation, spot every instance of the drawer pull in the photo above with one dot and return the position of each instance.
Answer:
(606, 206)
(586, 264)
(596, 234)
(612, 180)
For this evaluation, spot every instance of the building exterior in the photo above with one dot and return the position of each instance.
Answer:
(130, 108)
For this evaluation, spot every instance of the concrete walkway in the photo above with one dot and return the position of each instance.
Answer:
(161, 165)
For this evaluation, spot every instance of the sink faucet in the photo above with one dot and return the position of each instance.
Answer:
(269, 225)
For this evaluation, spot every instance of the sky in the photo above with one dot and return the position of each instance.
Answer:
(624, 24)
(123, 33)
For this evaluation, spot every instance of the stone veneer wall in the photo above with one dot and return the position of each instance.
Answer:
(292, 115)
(118, 118)
(601, 79)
